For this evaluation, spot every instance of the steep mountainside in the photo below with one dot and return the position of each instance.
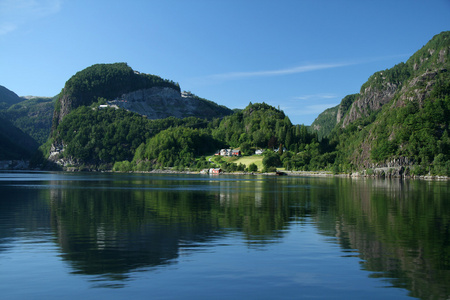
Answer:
(400, 116)
(413, 81)
(8, 98)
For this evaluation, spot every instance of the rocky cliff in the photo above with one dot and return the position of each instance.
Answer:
(163, 102)
(370, 100)
(414, 80)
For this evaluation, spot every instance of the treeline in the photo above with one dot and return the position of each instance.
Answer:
(177, 147)
(260, 125)
(417, 132)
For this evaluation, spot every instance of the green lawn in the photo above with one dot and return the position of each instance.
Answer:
(247, 160)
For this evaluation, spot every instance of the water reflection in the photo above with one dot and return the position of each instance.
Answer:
(104, 232)
(120, 226)
(401, 229)
(109, 226)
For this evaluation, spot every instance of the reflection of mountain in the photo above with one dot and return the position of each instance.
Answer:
(401, 230)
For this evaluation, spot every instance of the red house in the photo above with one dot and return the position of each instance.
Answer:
(215, 171)
(236, 152)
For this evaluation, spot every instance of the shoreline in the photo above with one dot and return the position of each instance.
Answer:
(284, 173)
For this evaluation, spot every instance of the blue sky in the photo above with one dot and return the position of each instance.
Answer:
(301, 56)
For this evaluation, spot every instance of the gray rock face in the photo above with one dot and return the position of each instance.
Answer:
(372, 99)
(163, 102)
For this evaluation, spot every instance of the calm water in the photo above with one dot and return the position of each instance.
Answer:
(134, 236)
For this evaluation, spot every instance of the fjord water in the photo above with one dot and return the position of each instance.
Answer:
(150, 236)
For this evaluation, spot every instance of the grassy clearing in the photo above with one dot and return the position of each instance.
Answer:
(247, 160)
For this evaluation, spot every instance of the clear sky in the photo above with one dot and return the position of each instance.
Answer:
(302, 56)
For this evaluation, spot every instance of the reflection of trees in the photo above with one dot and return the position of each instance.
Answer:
(401, 229)
(112, 230)
(22, 209)
(254, 207)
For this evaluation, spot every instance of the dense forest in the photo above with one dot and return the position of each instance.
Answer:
(105, 137)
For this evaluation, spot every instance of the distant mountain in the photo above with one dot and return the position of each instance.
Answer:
(325, 122)
(15, 144)
(328, 119)
(33, 116)
(8, 98)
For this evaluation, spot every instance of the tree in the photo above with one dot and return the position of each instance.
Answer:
(272, 142)
(245, 148)
(271, 159)
(280, 150)
(252, 167)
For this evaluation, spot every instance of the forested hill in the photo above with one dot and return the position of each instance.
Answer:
(143, 93)
(401, 115)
